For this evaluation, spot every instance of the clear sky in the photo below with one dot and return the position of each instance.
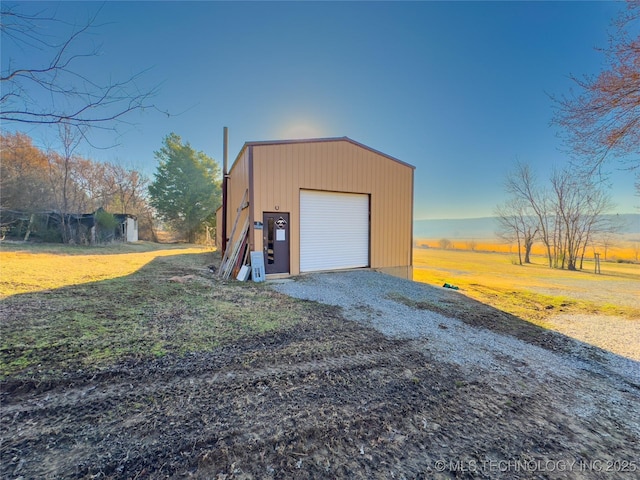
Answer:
(457, 89)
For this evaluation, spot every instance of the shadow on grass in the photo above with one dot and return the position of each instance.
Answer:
(172, 305)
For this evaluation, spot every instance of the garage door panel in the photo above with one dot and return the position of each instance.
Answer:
(334, 230)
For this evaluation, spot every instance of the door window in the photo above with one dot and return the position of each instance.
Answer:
(270, 239)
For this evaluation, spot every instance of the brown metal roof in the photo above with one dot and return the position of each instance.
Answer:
(319, 140)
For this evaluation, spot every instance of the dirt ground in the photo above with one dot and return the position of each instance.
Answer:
(328, 398)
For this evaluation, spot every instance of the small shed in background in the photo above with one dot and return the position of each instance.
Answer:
(320, 204)
(82, 228)
(128, 225)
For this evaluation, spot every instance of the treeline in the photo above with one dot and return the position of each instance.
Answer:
(34, 181)
(567, 215)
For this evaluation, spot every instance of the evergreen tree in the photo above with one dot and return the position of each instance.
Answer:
(186, 187)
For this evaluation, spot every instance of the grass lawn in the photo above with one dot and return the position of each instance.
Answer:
(26, 268)
(535, 291)
(601, 310)
(67, 308)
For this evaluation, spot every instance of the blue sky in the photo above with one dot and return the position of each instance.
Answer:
(458, 89)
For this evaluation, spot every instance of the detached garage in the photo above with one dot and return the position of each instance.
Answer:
(319, 204)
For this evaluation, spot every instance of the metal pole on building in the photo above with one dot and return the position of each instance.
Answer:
(225, 144)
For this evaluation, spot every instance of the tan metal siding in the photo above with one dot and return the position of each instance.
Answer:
(238, 184)
(281, 170)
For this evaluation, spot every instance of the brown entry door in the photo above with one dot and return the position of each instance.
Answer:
(275, 238)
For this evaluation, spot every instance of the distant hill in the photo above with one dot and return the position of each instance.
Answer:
(631, 222)
(479, 228)
(456, 228)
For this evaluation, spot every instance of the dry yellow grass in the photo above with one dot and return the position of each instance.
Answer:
(89, 308)
(602, 310)
(617, 286)
(25, 270)
(625, 249)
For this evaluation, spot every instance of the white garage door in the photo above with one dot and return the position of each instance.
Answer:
(334, 230)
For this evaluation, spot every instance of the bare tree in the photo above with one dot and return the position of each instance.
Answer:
(55, 91)
(129, 187)
(92, 178)
(508, 227)
(68, 193)
(606, 234)
(523, 187)
(565, 218)
(606, 241)
(445, 243)
(579, 206)
(518, 224)
(603, 118)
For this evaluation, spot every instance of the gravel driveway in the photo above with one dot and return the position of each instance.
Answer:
(370, 297)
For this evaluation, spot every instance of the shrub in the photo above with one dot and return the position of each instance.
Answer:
(444, 243)
(106, 225)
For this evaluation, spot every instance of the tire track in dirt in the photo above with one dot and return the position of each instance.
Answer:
(369, 414)
(77, 397)
(84, 402)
